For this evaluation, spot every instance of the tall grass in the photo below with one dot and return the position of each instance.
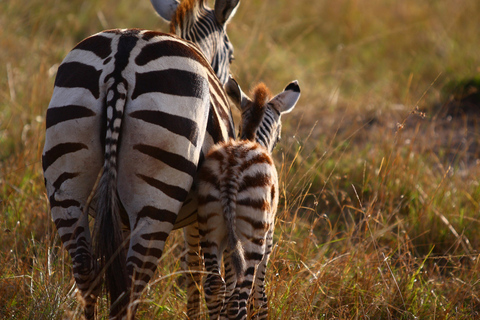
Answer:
(379, 212)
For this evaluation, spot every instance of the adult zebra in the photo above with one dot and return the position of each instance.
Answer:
(130, 117)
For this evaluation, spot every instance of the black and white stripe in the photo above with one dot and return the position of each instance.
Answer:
(194, 21)
(238, 197)
(130, 117)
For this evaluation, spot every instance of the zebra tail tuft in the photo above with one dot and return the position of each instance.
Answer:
(109, 244)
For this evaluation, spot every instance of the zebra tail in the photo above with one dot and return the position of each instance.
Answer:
(108, 237)
(235, 248)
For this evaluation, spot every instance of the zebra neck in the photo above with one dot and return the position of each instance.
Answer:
(265, 139)
(267, 132)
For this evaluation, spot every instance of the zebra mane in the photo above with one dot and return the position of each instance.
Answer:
(261, 95)
(187, 12)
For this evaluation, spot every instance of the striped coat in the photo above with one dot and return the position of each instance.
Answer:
(132, 113)
(238, 197)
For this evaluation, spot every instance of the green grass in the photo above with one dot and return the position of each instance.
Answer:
(380, 203)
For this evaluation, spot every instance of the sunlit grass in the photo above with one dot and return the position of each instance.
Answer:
(380, 191)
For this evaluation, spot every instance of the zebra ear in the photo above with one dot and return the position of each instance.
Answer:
(236, 94)
(286, 101)
(165, 8)
(225, 9)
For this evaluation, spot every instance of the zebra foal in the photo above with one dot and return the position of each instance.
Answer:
(131, 115)
(238, 196)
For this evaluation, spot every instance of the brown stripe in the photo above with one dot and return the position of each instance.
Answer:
(159, 236)
(65, 223)
(165, 48)
(208, 244)
(213, 126)
(179, 222)
(70, 236)
(148, 35)
(98, 44)
(156, 214)
(204, 219)
(59, 150)
(145, 251)
(259, 225)
(172, 191)
(67, 237)
(217, 153)
(207, 175)
(202, 200)
(173, 160)
(79, 75)
(261, 157)
(170, 81)
(179, 125)
(141, 264)
(63, 203)
(259, 180)
(273, 191)
(253, 256)
(204, 232)
(256, 241)
(222, 107)
(250, 271)
(64, 177)
(65, 113)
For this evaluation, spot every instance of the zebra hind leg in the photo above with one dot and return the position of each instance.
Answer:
(89, 285)
(231, 294)
(253, 259)
(75, 235)
(214, 294)
(214, 286)
(193, 266)
(259, 297)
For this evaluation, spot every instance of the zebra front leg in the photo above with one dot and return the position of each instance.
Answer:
(193, 266)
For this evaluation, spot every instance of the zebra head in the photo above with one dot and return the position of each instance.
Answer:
(261, 116)
(193, 20)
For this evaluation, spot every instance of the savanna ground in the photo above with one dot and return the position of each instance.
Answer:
(379, 162)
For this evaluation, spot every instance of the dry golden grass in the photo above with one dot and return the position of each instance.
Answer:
(379, 212)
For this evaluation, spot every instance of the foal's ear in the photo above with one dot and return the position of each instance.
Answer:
(239, 99)
(225, 10)
(286, 101)
(165, 8)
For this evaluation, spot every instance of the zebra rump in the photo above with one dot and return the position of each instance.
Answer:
(228, 188)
